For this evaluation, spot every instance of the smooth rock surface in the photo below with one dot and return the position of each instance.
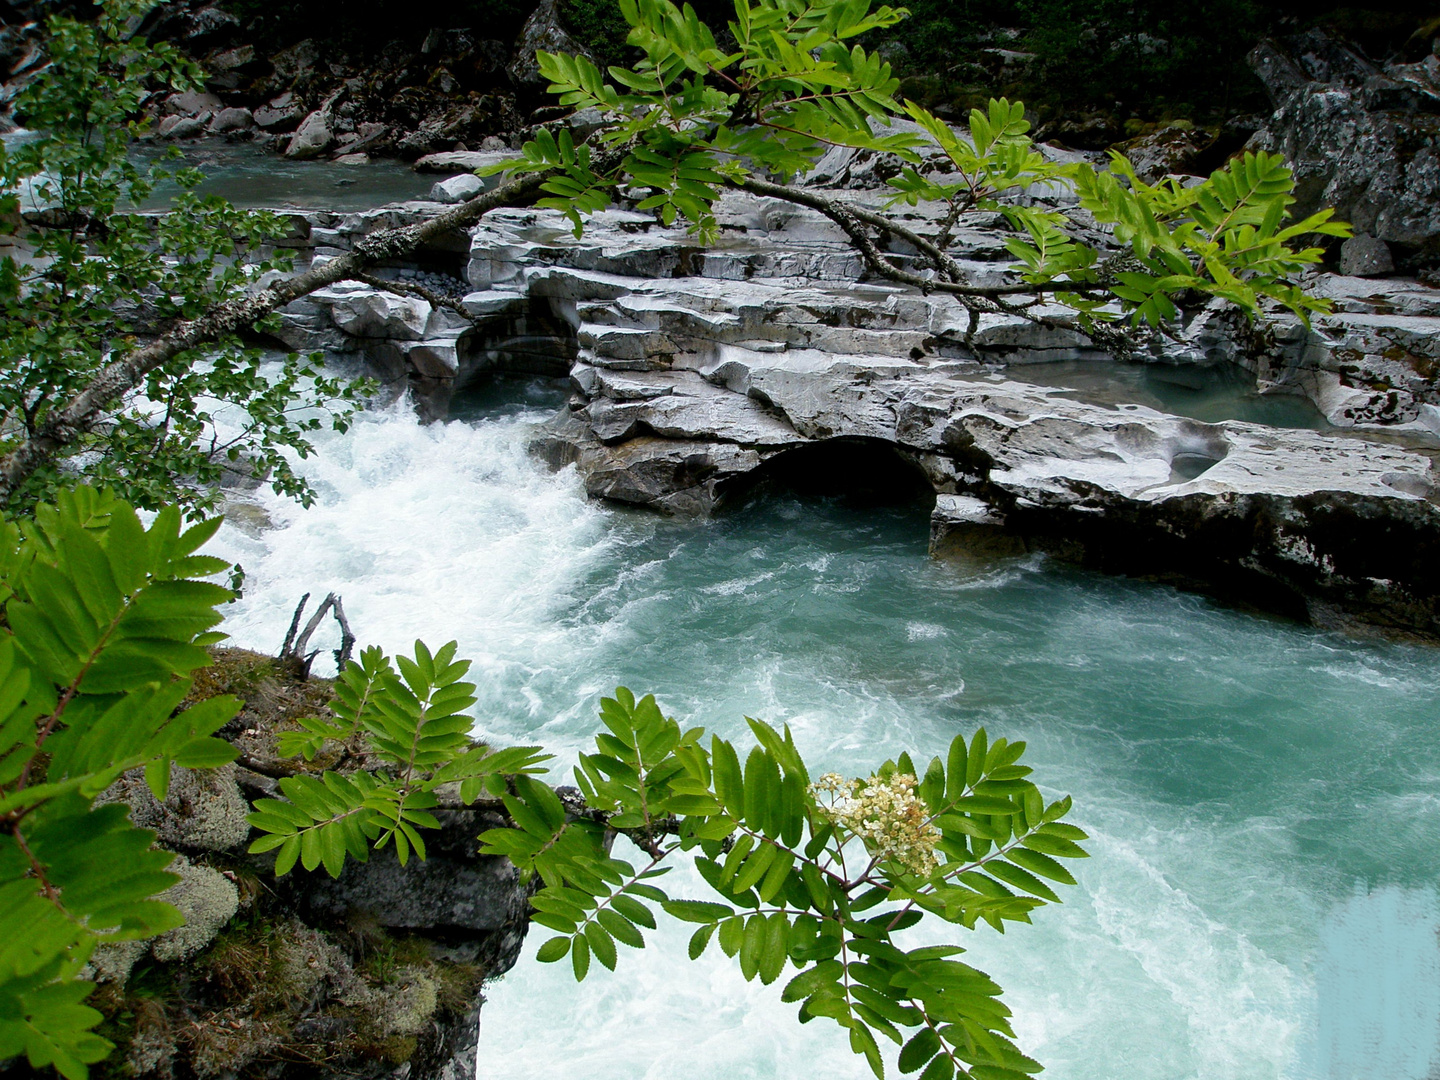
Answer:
(457, 189)
(313, 137)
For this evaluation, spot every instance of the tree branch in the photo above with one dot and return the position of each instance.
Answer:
(66, 423)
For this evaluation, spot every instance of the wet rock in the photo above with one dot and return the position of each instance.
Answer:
(312, 138)
(697, 369)
(281, 113)
(1366, 256)
(457, 189)
(231, 120)
(436, 358)
(964, 527)
(454, 161)
(183, 127)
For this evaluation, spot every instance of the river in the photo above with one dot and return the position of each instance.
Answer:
(1264, 798)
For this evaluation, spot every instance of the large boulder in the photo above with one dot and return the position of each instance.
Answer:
(543, 31)
(374, 314)
(313, 137)
(1361, 139)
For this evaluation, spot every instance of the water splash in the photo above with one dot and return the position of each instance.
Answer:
(1238, 774)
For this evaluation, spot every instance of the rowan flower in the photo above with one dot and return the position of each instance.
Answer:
(885, 814)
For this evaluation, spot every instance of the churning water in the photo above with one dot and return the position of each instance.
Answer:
(1264, 799)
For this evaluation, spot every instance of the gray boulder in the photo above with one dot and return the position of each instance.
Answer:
(315, 134)
(457, 189)
(183, 127)
(232, 120)
(1366, 256)
(371, 314)
(453, 161)
(279, 113)
(312, 138)
(543, 31)
(453, 891)
(192, 103)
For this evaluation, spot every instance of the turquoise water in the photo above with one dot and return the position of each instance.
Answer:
(1264, 798)
(251, 177)
(1208, 394)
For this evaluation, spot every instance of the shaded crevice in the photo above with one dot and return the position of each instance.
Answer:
(862, 471)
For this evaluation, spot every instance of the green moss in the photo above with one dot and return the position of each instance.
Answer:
(235, 671)
(457, 986)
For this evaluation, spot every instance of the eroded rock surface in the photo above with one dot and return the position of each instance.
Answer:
(694, 368)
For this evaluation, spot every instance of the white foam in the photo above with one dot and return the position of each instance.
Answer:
(1183, 954)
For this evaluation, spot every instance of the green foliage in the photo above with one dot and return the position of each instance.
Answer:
(104, 623)
(821, 877)
(416, 730)
(691, 118)
(1227, 236)
(91, 276)
(599, 25)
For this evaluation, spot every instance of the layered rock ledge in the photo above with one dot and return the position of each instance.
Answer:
(698, 371)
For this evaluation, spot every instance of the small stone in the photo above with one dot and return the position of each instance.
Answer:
(1366, 256)
(353, 159)
(457, 189)
(493, 144)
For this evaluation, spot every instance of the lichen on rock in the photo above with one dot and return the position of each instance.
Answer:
(203, 810)
(207, 899)
(264, 980)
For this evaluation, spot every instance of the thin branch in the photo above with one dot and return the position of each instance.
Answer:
(285, 649)
(68, 422)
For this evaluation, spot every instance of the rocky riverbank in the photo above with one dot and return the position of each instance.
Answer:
(697, 372)
(376, 974)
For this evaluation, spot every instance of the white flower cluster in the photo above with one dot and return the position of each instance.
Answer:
(885, 814)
